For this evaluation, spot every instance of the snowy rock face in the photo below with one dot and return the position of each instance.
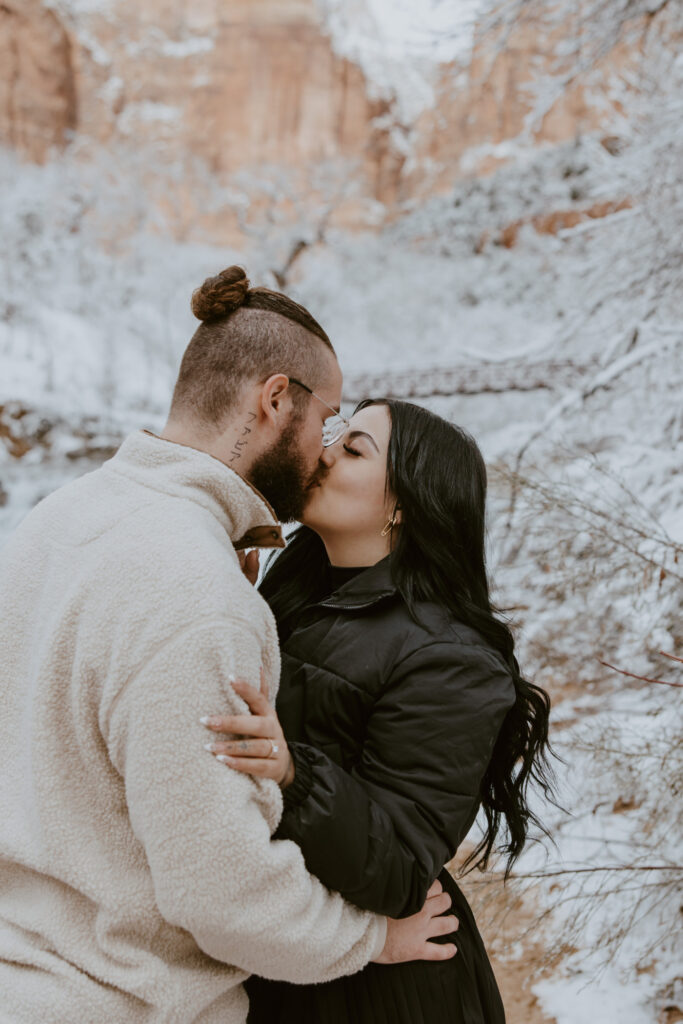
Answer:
(207, 93)
(217, 88)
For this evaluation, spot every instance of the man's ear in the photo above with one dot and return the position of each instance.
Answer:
(276, 398)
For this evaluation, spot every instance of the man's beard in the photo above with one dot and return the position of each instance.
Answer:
(280, 474)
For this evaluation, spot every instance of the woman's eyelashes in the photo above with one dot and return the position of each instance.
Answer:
(350, 450)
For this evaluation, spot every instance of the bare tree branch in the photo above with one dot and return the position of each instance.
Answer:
(644, 679)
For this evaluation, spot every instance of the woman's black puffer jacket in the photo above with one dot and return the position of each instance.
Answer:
(391, 725)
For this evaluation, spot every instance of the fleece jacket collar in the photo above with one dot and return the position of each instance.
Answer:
(193, 475)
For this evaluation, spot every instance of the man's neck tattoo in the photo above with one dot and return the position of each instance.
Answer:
(241, 442)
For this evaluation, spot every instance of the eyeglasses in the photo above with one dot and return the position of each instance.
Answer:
(335, 426)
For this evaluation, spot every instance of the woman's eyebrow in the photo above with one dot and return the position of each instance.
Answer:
(363, 433)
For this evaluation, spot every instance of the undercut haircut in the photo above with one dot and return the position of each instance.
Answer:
(247, 334)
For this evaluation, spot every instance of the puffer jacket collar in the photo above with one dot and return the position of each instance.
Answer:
(365, 589)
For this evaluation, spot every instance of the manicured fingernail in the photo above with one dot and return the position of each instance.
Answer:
(209, 747)
(224, 758)
(205, 720)
(231, 678)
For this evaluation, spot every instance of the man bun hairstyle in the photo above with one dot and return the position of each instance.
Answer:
(246, 334)
(220, 295)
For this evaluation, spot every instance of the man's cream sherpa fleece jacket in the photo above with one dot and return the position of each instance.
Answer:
(138, 880)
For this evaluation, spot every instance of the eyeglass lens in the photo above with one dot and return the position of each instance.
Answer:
(334, 428)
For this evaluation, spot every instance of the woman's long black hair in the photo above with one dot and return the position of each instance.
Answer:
(437, 475)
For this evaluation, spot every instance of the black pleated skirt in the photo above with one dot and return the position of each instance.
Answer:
(462, 990)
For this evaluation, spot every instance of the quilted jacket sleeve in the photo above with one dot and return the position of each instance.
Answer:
(381, 833)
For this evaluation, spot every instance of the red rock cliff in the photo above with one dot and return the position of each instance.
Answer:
(184, 96)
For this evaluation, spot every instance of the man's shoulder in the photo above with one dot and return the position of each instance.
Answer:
(127, 523)
(186, 549)
(128, 545)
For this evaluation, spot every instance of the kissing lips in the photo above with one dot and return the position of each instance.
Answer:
(316, 481)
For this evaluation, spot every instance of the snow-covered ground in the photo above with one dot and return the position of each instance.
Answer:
(586, 511)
